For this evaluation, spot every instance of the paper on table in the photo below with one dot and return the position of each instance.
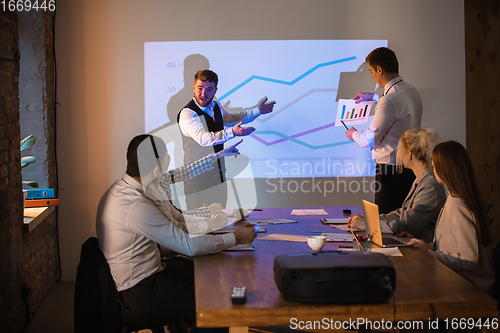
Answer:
(342, 220)
(274, 221)
(338, 237)
(241, 247)
(345, 228)
(230, 212)
(283, 237)
(309, 212)
(232, 229)
(387, 251)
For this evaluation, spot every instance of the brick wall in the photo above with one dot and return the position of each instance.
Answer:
(26, 259)
(40, 262)
(11, 305)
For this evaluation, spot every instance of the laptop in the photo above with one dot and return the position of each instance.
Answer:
(372, 225)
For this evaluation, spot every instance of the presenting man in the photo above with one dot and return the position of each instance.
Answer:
(202, 123)
(134, 216)
(398, 110)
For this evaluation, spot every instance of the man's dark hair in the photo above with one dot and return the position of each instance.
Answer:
(385, 58)
(152, 153)
(206, 75)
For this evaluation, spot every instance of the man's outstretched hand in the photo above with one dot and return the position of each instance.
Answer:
(229, 151)
(242, 131)
(265, 106)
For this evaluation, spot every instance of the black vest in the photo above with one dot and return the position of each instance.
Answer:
(192, 149)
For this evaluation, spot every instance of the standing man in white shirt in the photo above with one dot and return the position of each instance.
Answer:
(398, 110)
(202, 123)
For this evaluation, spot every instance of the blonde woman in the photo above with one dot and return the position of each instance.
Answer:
(420, 209)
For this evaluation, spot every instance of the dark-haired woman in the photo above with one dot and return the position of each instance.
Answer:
(461, 236)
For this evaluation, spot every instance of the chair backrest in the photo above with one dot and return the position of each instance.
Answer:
(96, 298)
(487, 208)
(496, 260)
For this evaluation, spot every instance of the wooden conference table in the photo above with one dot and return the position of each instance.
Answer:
(425, 288)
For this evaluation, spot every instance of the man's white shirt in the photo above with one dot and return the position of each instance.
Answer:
(191, 124)
(398, 110)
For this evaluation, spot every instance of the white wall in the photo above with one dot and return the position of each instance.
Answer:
(99, 45)
(32, 116)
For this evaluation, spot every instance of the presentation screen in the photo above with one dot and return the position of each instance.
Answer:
(312, 81)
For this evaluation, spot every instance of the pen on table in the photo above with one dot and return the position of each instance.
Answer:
(344, 124)
(319, 231)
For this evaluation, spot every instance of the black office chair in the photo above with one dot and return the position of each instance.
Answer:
(97, 303)
(487, 207)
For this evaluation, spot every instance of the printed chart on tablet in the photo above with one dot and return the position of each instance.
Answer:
(306, 78)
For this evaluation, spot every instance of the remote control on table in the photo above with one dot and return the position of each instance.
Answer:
(239, 295)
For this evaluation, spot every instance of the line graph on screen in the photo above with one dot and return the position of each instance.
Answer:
(301, 76)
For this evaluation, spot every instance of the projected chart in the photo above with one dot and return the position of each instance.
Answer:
(301, 138)
(351, 113)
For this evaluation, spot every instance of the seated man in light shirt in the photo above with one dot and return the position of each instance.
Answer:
(398, 110)
(133, 218)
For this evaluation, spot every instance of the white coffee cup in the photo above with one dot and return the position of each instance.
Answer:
(237, 213)
(316, 243)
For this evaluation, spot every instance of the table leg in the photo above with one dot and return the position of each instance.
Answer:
(238, 329)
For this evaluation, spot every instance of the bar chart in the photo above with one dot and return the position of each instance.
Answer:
(351, 113)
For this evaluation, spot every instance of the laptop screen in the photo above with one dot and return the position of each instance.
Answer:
(372, 222)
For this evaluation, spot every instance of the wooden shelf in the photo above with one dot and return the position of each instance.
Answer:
(34, 216)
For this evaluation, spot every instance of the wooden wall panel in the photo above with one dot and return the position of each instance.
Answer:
(482, 54)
